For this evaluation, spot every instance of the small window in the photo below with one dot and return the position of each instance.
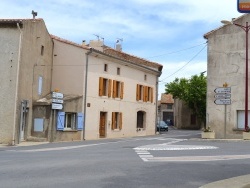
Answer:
(118, 71)
(145, 77)
(106, 67)
(169, 106)
(42, 50)
(69, 121)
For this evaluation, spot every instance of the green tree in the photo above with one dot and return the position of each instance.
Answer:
(193, 92)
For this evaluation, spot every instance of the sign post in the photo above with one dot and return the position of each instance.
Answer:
(223, 97)
(57, 104)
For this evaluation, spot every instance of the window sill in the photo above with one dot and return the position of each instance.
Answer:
(116, 130)
(238, 129)
(69, 130)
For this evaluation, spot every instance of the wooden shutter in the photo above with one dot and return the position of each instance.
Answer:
(120, 120)
(113, 121)
(110, 88)
(152, 94)
(137, 92)
(114, 88)
(79, 121)
(100, 86)
(60, 121)
(145, 93)
(122, 90)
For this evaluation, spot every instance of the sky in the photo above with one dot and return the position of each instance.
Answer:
(167, 32)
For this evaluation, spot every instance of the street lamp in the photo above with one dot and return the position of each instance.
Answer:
(246, 29)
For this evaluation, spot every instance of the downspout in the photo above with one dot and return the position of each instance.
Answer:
(85, 91)
(17, 83)
(156, 101)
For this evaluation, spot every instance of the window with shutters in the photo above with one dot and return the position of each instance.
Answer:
(105, 87)
(116, 121)
(69, 121)
(144, 93)
(118, 89)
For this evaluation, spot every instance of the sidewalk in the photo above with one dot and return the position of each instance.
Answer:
(236, 182)
(25, 143)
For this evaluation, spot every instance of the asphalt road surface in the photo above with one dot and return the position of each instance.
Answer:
(173, 159)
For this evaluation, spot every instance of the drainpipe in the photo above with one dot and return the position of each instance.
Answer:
(17, 83)
(156, 106)
(85, 91)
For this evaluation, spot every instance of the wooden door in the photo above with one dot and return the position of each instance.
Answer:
(102, 128)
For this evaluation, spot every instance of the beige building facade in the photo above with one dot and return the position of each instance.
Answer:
(226, 67)
(106, 93)
(25, 65)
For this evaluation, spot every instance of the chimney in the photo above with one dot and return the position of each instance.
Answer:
(118, 47)
(96, 44)
(84, 43)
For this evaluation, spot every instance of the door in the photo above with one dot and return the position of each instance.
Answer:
(102, 128)
(23, 113)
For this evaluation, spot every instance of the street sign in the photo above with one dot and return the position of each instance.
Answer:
(223, 90)
(57, 95)
(243, 6)
(56, 106)
(57, 101)
(222, 101)
(222, 96)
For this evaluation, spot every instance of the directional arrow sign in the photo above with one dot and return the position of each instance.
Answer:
(223, 90)
(222, 96)
(222, 101)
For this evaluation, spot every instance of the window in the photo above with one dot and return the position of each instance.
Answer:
(105, 87)
(69, 121)
(144, 93)
(145, 77)
(139, 92)
(42, 50)
(118, 71)
(169, 106)
(116, 120)
(106, 67)
(118, 89)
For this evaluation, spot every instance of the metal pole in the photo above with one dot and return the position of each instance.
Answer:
(225, 121)
(246, 89)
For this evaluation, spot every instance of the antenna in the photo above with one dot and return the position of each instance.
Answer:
(34, 14)
(97, 36)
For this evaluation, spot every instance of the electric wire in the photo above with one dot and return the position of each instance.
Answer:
(185, 64)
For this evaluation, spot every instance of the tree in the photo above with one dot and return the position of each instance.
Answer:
(193, 92)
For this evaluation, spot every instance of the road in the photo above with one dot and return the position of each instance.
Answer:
(173, 159)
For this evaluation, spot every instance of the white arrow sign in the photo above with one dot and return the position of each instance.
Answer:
(57, 95)
(56, 106)
(222, 96)
(223, 90)
(57, 101)
(222, 101)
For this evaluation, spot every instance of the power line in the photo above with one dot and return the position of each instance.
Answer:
(185, 64)
(176, 51)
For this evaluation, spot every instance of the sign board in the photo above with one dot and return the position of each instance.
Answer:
(222, 96)
(243, 6)
(57, 95)
(56, 106)
(57, 101)
(223, 101)
(223, 90)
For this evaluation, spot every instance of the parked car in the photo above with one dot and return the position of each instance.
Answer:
(169, 122)
(162, 126)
